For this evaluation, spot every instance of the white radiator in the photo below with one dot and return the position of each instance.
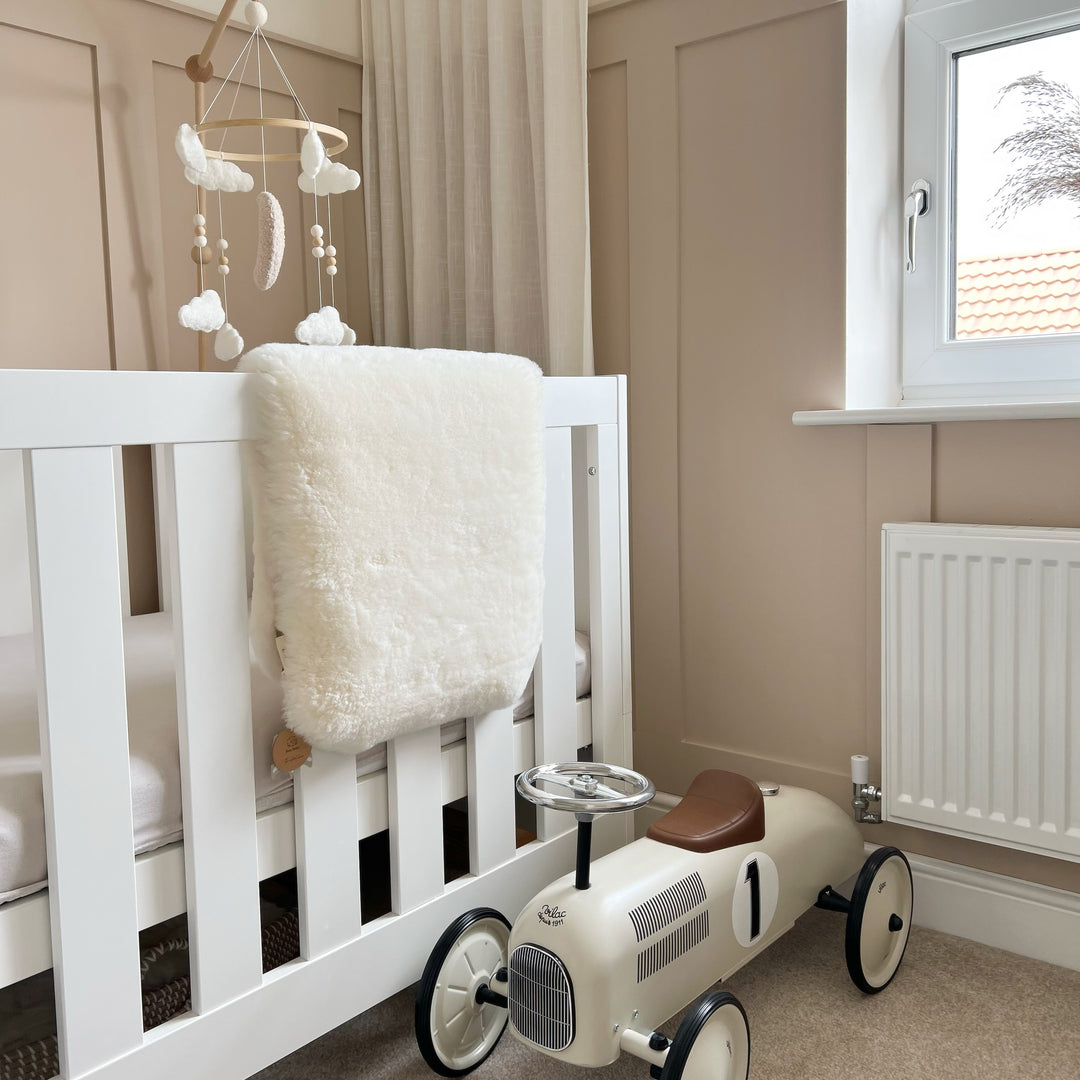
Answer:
(981, 683)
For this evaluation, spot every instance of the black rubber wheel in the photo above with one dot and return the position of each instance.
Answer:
(879, 920)
(714, 1026)
(472, 948)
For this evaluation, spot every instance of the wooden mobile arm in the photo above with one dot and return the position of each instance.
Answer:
(198, 68)
(200, 71)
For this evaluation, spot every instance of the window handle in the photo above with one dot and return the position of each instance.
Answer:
(915, 206)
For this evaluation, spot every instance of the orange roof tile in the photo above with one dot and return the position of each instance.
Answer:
(1037, 293)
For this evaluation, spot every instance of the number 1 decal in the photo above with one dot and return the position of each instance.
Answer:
(754, 878)
(753, 904)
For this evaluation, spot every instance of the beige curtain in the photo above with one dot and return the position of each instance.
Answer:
(475, 170)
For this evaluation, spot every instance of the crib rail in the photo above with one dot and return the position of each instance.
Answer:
(67, 424)
(41, 409)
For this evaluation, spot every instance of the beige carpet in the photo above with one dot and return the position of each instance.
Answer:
(956, 1011)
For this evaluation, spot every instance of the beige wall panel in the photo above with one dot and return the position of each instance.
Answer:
(756, 546)
(645, 25)
(54, 306)
(652, 278)
(771, 517)
(141, 533)
(899, 463)
(609, 213)
(331, 25)
(1015, 472)
(131, 40)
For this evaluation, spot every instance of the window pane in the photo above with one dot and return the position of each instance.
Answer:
(1017, 189)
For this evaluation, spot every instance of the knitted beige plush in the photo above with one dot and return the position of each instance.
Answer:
(271, 240)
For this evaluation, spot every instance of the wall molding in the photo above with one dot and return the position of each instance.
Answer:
(1020, 917)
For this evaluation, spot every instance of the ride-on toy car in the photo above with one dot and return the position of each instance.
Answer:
(603, 956)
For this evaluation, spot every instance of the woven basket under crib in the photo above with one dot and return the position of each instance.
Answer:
(40, 1060)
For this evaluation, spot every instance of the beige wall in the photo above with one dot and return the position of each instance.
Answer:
(99, 215)
(330, 25)
(717, 180)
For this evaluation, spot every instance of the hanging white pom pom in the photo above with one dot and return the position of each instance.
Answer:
(312, 153)
(256, 14)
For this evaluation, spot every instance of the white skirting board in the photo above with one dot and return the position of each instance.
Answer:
(1007, 913)
(1003, 912)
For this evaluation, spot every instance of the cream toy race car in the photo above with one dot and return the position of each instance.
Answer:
(600, 958)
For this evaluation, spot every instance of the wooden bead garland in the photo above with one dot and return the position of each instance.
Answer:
(223, 259)
(199, 253)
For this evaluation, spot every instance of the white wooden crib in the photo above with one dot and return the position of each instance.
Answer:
(69, 426)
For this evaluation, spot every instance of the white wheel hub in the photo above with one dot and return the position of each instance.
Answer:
(889, 898)
(463, 1030)
(712, 1043)
(721, 1050)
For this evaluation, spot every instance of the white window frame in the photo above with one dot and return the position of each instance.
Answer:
(935, 368)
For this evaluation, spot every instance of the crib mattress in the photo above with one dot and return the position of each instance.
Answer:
(153, 745)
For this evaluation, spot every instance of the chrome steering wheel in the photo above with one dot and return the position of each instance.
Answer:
(591, 786)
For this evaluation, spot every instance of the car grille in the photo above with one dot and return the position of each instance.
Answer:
(541, 998)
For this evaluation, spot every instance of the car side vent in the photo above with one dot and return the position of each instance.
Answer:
(668, 906)
(669, 948)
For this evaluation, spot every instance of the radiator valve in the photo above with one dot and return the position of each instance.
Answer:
(863, 793)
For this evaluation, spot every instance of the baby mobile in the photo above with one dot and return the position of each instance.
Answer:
(214, 170)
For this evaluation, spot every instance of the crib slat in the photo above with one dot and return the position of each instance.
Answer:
(75, 577)
(327, 854)
(555, 679)
(213, 690)
(490, 757)
(414, 792)
(121, 529)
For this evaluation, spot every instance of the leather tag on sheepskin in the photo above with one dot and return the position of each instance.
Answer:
(398, 498)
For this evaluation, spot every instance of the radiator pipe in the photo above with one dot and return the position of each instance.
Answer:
(584, 850)
(863, 793)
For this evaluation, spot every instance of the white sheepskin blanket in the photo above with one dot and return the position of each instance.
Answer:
(398, 497)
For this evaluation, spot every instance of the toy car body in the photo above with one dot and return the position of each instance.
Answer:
(592, 971)
(660, 924)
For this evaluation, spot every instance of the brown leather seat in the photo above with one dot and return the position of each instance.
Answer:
(720, 810)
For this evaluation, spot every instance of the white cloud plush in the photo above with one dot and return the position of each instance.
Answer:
(203, 312)
(349, 337)
(220, 175)
(228, 344)
(312, 152)
(189, 148)
(334, 178)
(322, 327)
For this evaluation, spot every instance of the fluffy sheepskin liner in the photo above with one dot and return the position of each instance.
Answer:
(399, 533)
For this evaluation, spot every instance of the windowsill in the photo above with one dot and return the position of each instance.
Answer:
(936, 414)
